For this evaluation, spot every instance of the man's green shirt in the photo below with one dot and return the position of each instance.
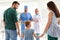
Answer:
(10, 18)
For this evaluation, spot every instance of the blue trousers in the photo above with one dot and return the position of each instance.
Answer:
(10, 34)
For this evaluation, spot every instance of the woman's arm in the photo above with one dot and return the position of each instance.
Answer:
(48, 24)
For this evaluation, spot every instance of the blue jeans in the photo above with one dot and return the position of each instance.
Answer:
(37, 35)
(10, 34)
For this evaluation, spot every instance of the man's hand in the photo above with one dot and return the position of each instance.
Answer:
(18, 33)
(17, 26)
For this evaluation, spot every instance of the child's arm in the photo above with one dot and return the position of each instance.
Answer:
(22, 36)
(35, 35)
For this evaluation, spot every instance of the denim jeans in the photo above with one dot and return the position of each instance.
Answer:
(37, 35)
(10, 34)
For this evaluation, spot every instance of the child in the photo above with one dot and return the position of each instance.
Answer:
(36, 23)
(28, 33)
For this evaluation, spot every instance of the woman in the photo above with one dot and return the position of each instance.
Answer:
(36, 23)
(51, 27)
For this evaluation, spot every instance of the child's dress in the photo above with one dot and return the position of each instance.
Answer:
(28, 34)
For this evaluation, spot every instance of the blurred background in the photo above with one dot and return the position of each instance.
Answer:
(32, 4)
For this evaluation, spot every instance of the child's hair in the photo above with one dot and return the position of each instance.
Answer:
(27, 23)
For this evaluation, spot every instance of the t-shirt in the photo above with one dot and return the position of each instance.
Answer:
(10, 18)
(37, 24)
(24, 17)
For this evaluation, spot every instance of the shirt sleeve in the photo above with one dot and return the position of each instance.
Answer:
(15, 16)
(32, 31)
(20, 18)
(4, 17)
(31, 17)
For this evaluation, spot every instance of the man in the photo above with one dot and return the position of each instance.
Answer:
(25, 16)
(11, 22)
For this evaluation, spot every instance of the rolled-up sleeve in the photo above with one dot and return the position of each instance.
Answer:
(15, 16)
(20, 18)
(4, 17)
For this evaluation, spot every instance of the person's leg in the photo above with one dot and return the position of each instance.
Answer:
(37, 35)
(7, 36)
(52, 38)
(13, 34)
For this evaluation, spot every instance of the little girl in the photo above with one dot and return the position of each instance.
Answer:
(28, 33)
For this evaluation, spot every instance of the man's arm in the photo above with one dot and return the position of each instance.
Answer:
(17, 26)
(16, 21)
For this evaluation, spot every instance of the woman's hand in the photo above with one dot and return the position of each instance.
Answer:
(37, 36)
(41, 35)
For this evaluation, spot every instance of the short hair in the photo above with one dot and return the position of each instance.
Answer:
(27, 23)
(15, 2)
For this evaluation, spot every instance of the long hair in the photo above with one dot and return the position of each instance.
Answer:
(51, 5)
